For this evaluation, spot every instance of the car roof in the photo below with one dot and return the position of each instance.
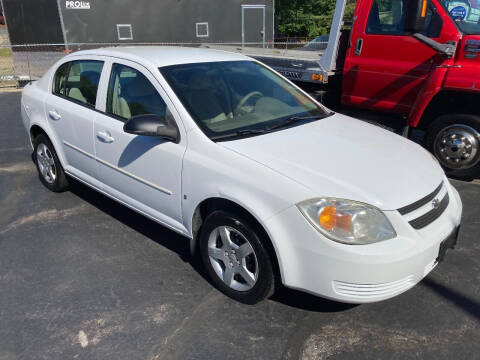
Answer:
(165, 55)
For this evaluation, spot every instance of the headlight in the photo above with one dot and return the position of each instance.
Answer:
(347, 221)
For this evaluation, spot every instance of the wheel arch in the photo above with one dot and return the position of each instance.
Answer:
(36, 129)
(210, 204)
(449, 102)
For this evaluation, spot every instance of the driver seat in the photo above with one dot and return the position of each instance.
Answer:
(202, 97)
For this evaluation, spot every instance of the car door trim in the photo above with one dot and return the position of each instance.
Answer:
(129, 174)
(79, 150)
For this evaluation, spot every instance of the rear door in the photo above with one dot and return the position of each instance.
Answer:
(385, 67)
(141, 171)
(70, 109)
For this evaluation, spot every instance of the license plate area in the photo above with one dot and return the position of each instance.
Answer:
(448, 243)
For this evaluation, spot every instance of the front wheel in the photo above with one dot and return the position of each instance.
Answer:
(454, 139)
(236, 258)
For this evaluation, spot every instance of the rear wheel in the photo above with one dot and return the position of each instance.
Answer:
(49, 168)
(454, 139)
(235, 258)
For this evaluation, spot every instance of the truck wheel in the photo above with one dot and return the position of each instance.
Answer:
(49, 168)
(454, 139)
(235, 258)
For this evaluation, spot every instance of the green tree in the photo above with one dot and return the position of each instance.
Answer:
(307, 18)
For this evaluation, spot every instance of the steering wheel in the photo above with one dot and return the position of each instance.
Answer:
(246, 98)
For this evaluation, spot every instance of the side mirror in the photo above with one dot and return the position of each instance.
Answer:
(152, 125)
(447, 49)
(416, 16)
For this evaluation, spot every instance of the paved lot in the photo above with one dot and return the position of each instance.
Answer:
(82, 277)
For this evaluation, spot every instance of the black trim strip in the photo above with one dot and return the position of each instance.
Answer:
(432, 215)
(418, 204)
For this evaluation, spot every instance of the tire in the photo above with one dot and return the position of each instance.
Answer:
(454, 139)
(50, 171)
(248, 287)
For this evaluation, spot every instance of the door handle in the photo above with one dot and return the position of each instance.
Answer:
(358, 47)
(105, 137)
(54, 115)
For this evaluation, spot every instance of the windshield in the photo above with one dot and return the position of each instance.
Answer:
(238, 97)
(465, 13)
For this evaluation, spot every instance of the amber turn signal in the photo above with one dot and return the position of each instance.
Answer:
(329, 218)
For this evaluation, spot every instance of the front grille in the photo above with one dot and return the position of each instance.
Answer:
(418, 204)
(432, 215)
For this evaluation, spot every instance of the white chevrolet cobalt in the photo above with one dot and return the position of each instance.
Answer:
(269, 186)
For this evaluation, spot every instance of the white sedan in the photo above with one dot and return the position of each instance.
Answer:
(269, 186)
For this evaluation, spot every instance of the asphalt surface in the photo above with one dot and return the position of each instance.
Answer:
(82, 277)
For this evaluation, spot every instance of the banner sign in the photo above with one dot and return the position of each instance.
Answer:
(76, 4)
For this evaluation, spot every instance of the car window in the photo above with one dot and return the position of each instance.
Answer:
(59, 82)
(78, 80)
(465, 13)
(229, 96)
(130, 94)
(387, 17)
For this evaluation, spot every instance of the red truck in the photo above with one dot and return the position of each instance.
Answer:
(416, 58)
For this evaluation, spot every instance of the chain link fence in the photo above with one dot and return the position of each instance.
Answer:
(6, 61)
(21, 63)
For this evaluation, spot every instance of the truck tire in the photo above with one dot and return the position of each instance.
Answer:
(454, 139)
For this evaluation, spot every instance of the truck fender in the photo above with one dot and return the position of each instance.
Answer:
(432, 86)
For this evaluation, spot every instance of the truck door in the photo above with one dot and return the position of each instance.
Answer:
(385, 67)
(253, 25)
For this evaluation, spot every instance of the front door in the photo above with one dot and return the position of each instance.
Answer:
(253, 25)
(141, 171)
(385, 67)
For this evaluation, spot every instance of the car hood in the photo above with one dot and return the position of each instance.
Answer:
(347, 158)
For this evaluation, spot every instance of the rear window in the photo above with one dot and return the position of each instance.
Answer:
(78, 80)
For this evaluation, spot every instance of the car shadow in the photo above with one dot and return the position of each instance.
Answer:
(304, 301)
(463, 302)
(150, 229)
(180, 245)
(137, 147)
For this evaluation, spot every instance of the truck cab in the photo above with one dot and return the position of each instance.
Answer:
(420, 59)
(415, 58)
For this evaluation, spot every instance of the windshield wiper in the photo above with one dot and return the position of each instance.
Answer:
(295, 119)
(247, 132)
(238, 134)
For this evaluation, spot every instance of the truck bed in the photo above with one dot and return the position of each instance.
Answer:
(293, 63)
(254, 51)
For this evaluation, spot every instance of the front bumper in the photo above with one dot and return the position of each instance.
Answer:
(363, 273)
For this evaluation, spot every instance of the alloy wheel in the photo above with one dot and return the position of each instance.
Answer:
(46, 163)
(233, 258)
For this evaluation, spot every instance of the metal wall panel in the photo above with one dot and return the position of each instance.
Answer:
(33, 22)
(160, 20)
